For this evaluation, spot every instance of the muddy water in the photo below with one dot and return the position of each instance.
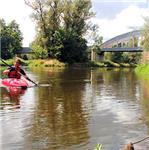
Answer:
(80, 108)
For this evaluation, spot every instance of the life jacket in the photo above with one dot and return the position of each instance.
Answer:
(13, 73)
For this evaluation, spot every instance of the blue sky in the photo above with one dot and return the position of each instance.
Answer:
(110, 8)
(113, 17)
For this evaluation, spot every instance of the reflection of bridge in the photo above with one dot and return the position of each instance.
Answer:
(127, 42)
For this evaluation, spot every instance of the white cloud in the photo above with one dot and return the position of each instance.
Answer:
(127, 18)
(17, 10)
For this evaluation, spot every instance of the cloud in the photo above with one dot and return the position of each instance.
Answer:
(132, 16)
(108, 28)
(121, 1)
(17, 10)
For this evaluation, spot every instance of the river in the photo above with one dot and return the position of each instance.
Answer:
(81, 108)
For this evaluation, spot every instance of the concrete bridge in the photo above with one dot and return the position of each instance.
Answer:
(127, 42)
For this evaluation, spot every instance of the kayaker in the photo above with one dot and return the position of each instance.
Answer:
(15, 71)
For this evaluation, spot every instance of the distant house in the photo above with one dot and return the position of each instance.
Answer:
(25, 52)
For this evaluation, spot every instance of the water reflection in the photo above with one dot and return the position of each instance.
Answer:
(10, 97)
(83, 107)
(145, 99)
(60, 120)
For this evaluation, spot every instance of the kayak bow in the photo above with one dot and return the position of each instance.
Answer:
(13, 82)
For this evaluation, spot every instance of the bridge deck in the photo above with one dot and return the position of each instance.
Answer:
(122, 49)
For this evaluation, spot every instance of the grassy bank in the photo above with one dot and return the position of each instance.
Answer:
(56, 63)
(45, 63)
(142, 70)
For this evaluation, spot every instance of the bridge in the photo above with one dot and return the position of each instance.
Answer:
(122, 49)
(127, 42)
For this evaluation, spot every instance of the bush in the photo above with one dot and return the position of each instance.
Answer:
(109, 63)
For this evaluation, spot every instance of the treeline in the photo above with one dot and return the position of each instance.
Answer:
(61, 27)
(145, 33)
(11, 39)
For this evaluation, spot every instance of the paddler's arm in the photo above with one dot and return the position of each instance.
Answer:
(5, 72)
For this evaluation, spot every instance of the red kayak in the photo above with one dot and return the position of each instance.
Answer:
(13, 82)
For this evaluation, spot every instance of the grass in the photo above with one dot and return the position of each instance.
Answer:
(58, 64)
(9, 62)
(142, 70)
(45, 63)
(98, 147)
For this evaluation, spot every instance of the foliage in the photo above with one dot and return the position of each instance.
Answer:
(109, 63)
(95, 39)
(74, 48)
(45, 63)
(38, 51)
(8, 61)
(11, 39)
(60, 26)
(142, 70)
(145, 33)
(98, 147)
(116, 56)
(124, 65)
(125, 57)
(95, 64)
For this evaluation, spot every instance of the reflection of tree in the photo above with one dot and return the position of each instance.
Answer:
(145, 99)
(119, 81)
(59, 117)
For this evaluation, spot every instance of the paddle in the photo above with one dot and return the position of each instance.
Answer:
(20, 73)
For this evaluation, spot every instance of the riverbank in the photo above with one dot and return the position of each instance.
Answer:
(142, 70)
(56, 63)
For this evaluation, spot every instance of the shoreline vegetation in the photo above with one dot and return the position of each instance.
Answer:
(57, 63)
(142, 70)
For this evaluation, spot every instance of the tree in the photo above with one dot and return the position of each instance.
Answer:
(145, 33)
(11, 39)
(58, 24)
(76, 13)
(95, 38)
(39, 52)
(74, 48)
(46, 16)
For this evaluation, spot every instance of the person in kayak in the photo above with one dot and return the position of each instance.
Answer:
(16, 71)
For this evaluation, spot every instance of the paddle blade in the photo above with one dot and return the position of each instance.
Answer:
(44, 85)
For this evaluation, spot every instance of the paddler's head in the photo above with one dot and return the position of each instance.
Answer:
(17, 63)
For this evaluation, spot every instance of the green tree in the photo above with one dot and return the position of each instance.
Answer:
(38, 51)
(11, 39)
(95, 38)
(47, 18)
(74, 48)
(58, 24)
(76, 13)
(145, 33)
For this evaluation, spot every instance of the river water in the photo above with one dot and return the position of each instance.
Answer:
(80, 108)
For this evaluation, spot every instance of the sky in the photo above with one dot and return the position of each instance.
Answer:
(114, 17)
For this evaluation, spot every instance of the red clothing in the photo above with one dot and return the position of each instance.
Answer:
(13, 73)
